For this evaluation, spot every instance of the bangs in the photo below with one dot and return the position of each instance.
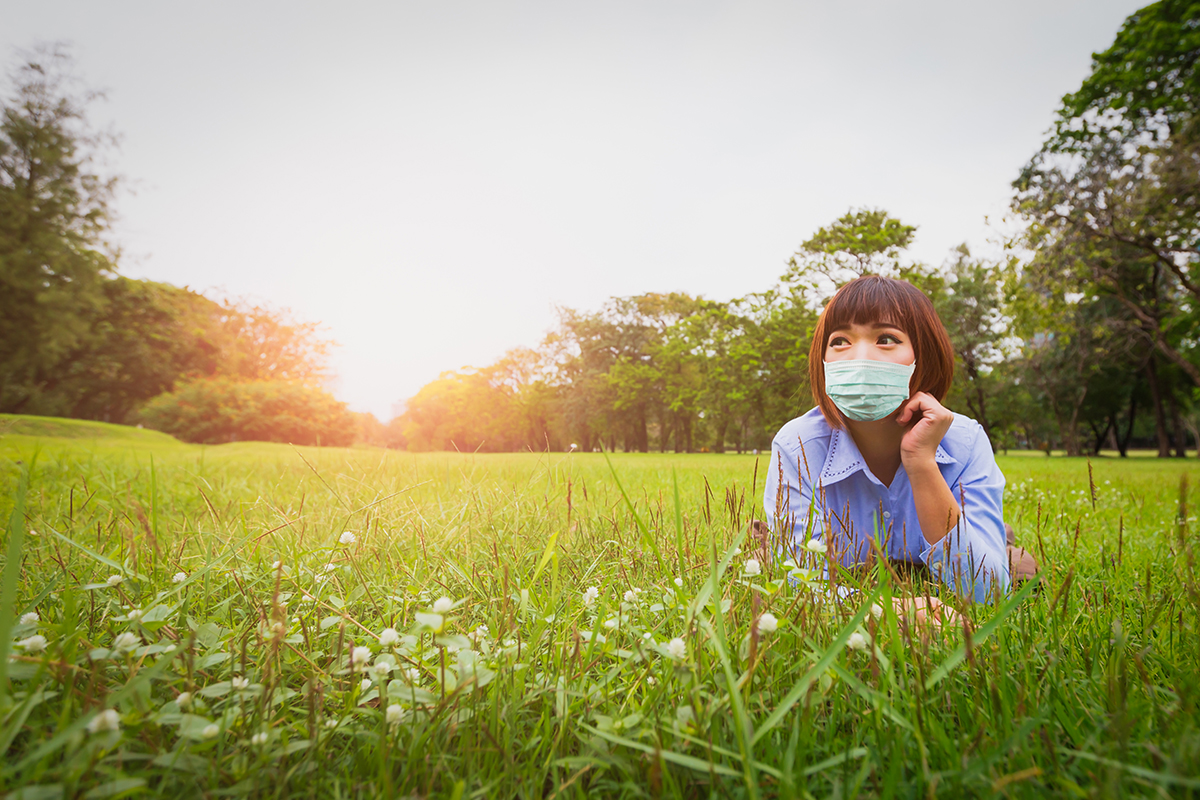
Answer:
(871, 301)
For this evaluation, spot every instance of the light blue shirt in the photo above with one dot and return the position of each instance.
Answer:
(809, 459)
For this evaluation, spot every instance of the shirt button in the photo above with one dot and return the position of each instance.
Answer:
(887, 515)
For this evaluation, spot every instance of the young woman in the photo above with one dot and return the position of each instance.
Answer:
(880, 457)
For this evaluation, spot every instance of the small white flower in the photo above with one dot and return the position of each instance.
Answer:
(127, 641)
(331, 723)
(651, 681)
(630, 596)
(388, 637)
(34, 644)
(364, 685)
(134, 614)
(443, 605)
(259, 739)
(815, 546)
(857, 641)
(679, 582)
(394, 714)
(590, 596)
(360, 655)
(647, 636)
(179, 577)
(347, 538)
(330, 567)
(184, 700)
(752, 568)
(238, 682)
(574, 446)
(106, 720)
(381, 669)
(276, 564)
(611, 622)
(480, 634)
(210, 731)
(677, 648)
(412, 674)
(29, 618)
(115, 580)
(767, 623)
(876, 610)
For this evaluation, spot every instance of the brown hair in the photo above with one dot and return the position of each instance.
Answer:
(875, 299)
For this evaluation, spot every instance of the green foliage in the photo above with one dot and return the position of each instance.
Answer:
(526, 684)
(213, 410)
(861, 242)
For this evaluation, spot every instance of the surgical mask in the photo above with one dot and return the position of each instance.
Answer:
(866, 390)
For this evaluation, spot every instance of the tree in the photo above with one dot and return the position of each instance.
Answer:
(1117, 182)
(54, 218)
(860, 242)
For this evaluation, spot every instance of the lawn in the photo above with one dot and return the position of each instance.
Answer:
(262, 620)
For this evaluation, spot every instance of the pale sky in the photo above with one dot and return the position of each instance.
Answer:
(430, 179)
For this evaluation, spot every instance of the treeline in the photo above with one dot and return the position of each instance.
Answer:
(1084, 337)
(78, 340)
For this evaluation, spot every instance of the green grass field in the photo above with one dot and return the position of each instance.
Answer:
(208, 629)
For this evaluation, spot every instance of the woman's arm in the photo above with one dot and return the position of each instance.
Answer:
(937, 510)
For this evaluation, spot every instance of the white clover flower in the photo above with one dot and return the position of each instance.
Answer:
(184, 700)
(677, 648)
(412, 674)
(115, 580)
(651, 681)
(876, 610)
(179, 577)
(590, 596)
(381, 669)
(480, 634)
(127, 641)
(815, 546)
(238, 682)
(330, 567)
(679, 582)
(573, 446)
(360, 655)
(767, 623)
(394, 714)
(364, 685)
(210, 731)
(630, 597)
(106, 720)
(134, 614)
(259, 739)
(443, 605)
(611, 623)
(752, 568)
(276, 564)
(347, 538)
(29, 618)
(331, 723)
(857, 641)
(388, 637)
(647, 636)
(34, 644)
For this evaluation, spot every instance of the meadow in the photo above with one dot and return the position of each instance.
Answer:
(261, 620)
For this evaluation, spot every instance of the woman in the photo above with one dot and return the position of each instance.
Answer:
(880, 457)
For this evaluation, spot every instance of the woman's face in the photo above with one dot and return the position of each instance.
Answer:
(874, 342)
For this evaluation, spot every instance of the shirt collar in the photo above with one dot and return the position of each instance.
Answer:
(843, 458)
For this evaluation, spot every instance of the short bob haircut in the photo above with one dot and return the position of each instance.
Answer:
(872, 299)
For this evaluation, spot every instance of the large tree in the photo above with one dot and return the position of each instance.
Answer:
(54, 219)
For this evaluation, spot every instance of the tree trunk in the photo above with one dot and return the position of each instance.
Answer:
(1123, 444)
(1160, 417)
(1177, 432)
(719, 439)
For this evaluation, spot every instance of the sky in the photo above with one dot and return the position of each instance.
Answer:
(432, 180)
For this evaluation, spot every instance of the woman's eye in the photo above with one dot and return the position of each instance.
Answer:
(887, 338)
(837, 341)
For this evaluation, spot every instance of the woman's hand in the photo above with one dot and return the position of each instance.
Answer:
(925, 610)
(928, 421)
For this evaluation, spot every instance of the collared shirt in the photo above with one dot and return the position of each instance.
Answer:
(819, 482)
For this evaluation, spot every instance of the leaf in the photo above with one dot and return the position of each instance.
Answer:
(117, 788)
(49, 791)
(433, 622)
(691, 762)
(983, 632)
(212, 659)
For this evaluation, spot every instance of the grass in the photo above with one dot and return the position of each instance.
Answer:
(524, 687)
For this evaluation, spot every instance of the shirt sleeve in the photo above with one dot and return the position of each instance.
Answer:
(972, 558)
(788, 499)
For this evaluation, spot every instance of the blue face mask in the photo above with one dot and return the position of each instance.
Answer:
(866, 390)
